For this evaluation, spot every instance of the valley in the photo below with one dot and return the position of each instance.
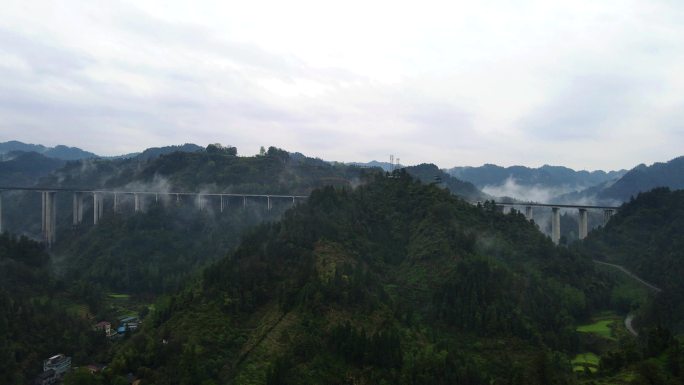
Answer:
(224, 286)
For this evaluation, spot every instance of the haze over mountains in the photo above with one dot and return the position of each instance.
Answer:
(300, 252)
(23, 163)
(377, 277)
(639, 179)
(58, 152)
(536, 184)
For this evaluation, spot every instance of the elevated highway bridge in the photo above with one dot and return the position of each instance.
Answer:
(583, 210)
(140, 198)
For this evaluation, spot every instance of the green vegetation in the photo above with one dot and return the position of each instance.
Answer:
(602, 327)
(119, 296)
(645, 236)
(585, 361)
(628, 294)
(429, 173)
(394, 282)
(39, 315)
(644, 178)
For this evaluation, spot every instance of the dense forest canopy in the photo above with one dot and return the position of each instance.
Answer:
(390, 283)
(646, 236)
(34, 321)
(375, 278)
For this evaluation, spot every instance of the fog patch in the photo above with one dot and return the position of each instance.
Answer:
(535, 193)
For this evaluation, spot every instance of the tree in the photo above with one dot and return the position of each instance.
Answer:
(217, 148)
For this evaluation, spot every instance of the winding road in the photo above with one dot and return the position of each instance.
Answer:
(630, 317)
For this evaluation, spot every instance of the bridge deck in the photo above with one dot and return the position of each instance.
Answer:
(131, 192)
(79, 190)
(561, 206)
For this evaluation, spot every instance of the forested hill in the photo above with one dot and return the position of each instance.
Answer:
(395, 282)
(430, 173)
(643, 178)
(34, 319)
(215, 169)
(155, 251)
(545, 176)
(646, 236)
(25, 168)
(58, 152)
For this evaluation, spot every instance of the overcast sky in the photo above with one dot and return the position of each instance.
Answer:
(586, 84)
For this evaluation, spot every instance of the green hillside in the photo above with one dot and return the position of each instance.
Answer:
(35, 317)
(155, 251)
(394, 282)
(429, 173)
(646, 237)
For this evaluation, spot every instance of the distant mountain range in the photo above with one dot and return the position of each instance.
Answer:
(564, 185)
(58, 152)
(641, 178)
(19, 168)
(74, 153)
(429, 173)
(542, 184)
(545, 176)
(22, 163)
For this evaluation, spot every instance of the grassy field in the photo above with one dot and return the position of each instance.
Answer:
(607, 324)
(119, 296)
(124, 305)
(585, 360)
(602, 327)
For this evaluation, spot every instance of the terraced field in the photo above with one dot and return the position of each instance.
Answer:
(585, 361)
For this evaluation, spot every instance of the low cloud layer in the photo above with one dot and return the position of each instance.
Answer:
(536, 193)
(579, 83)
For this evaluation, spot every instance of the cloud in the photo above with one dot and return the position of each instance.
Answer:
(536, 193)
(449, 83)
(39, 57)
(585, 108)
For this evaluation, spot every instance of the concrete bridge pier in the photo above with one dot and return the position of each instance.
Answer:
(293, 201)
(583, 224)
(268, 202)
(137, 204)
(244, 202)
(49, 217)
(77, 209)
(607, 214)
(555, 225)
(221, 203)
(200, 202)
(97, 207)
(116, 203)
(528, 212)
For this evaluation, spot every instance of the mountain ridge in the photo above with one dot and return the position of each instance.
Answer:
(60, 151)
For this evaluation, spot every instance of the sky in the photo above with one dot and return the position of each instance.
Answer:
(586, 84)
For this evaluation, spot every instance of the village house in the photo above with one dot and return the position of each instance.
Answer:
(59, 363)
(104, 326)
